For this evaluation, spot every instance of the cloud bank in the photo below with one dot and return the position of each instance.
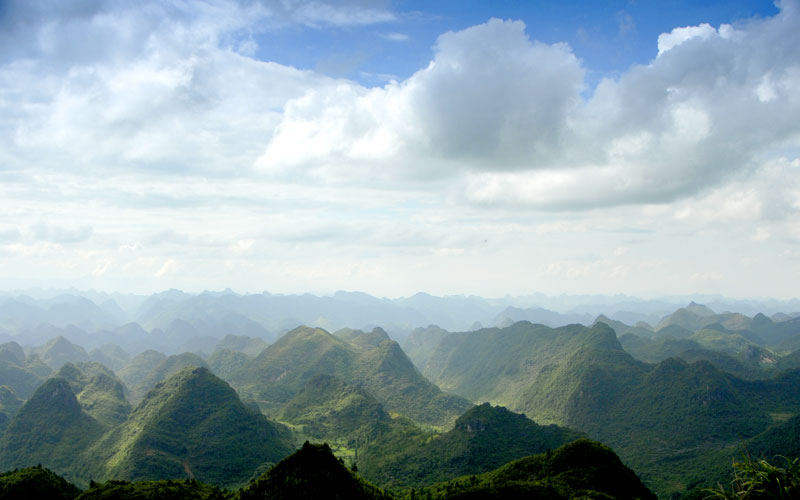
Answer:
(504, 117)
(148, 144)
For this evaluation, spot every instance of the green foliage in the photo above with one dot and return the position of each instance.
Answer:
(141, 383)
(497, 365)
(191, 425)
(161, 490)
(380, 368)
(224, 362)
(759, 479)
(311, 473)
(59, 350)
(668, 421)
(35, 482)
(100, 393)
(581, 469)
(482, 439)
(111, 355)
(328, 408)
(421, 344)
(50, 429)
(250, 346)
(9, 406)
(23, 381)
(746, 364)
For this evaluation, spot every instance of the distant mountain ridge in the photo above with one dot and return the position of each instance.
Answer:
(170, 318)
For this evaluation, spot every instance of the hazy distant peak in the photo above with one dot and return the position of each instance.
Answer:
(699, 309)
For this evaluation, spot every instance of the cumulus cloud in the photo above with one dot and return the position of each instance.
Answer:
(677, 36)
(503, 117)
(157, 86)
(489, 97)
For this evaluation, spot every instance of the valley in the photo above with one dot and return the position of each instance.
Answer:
(677, 402)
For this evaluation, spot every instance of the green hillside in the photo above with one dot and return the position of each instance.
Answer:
(747, 364)
(59, 350)
(22, 380)
(9, 406)
(692, 317)
(642, 329)
(192, 425)
(12, 352)
(311, 473)
(50, 429)
(422, 342)
(663, 419)
(100, 393)
(483, 438)
(111, 355)
(380, 368)
(134, 373)
(581, 469)
(225, 362)
(250, 346)
(148, 374)
(329, 409)
(35, 482)
(497, 365)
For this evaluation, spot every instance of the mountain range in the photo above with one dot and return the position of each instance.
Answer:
(678, 395)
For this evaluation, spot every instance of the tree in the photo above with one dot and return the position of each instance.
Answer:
(756, 480)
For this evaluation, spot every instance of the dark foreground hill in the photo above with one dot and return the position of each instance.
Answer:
(311, 473)
(581, 469)
(155, 490)
(35, 482)
(483, 439)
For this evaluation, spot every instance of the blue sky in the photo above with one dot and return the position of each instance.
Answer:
(608, 36)
(485, 148)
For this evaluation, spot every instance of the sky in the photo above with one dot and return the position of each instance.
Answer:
(451, 147)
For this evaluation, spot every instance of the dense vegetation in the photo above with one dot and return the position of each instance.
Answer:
(311, 473)
(191, 425)
(35, 482)
(51, 429)
(581, 469)
(328, 408)
(759, 479)
(484, 438)
(167, 489)
(677, 401)
(371, 361)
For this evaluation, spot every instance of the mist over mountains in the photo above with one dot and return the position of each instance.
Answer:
(174, 321)
(419, 392)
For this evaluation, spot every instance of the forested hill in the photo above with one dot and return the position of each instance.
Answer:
(582, 469)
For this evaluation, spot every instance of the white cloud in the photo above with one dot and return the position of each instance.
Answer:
(502, 116)
(677, 36)
(128, 138)
(489, 97)
(167, 268)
